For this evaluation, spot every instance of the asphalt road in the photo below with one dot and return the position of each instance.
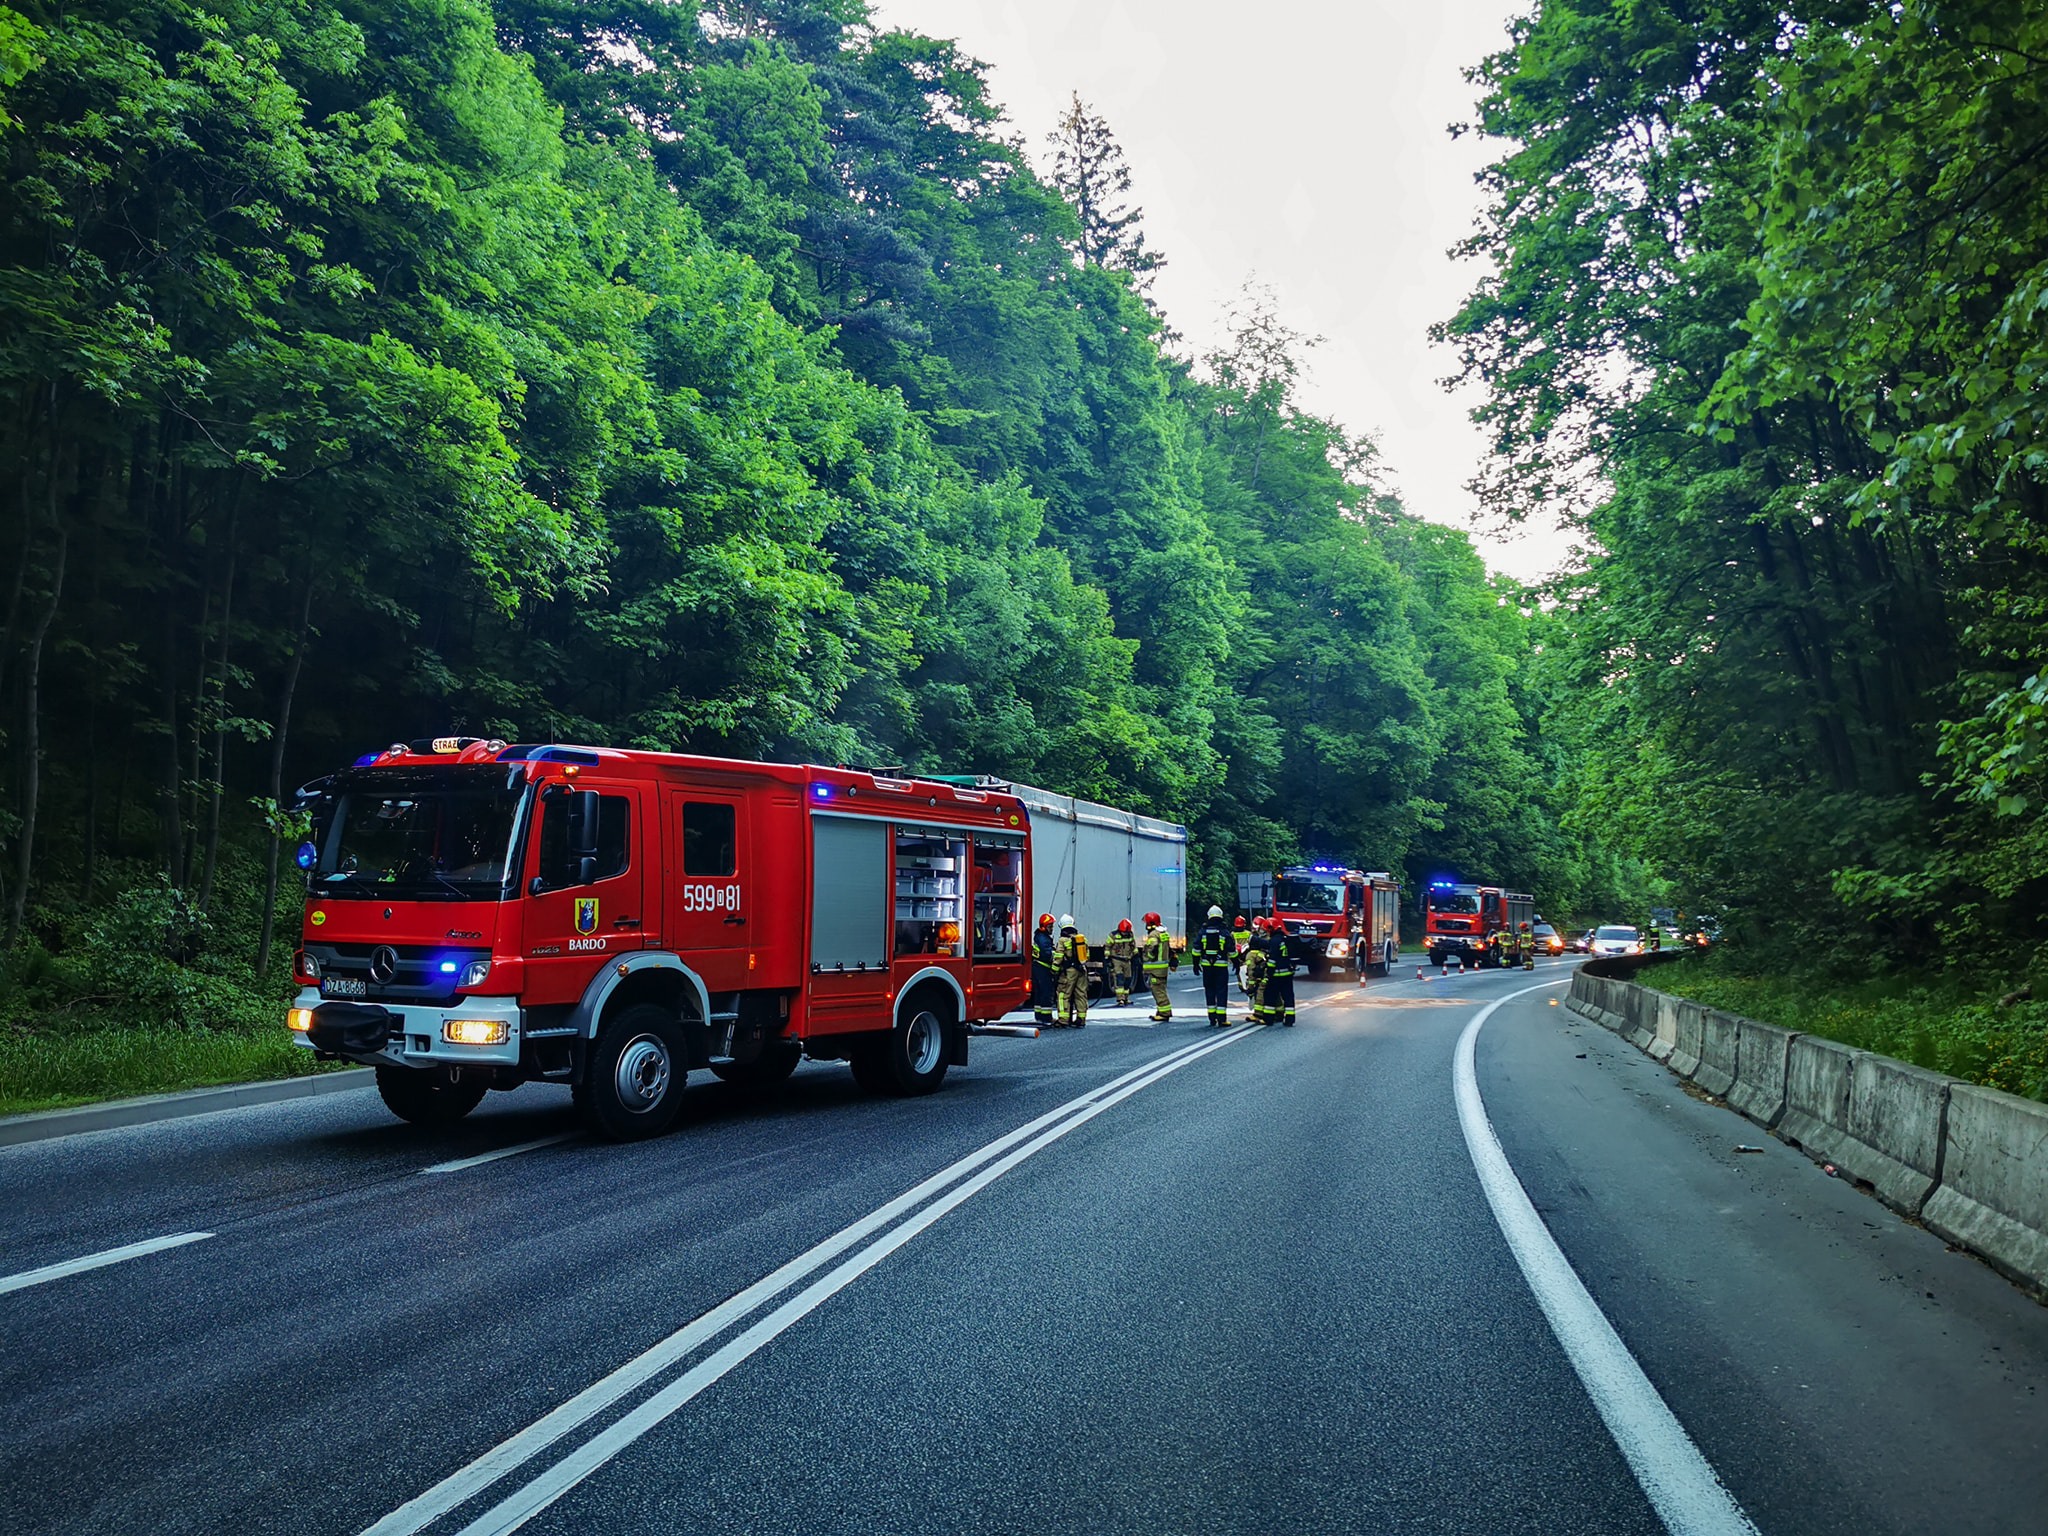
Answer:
(1136, 1286)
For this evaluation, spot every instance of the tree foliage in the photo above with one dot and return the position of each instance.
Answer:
(711, 378)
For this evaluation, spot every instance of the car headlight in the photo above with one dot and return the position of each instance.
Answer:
(473, 974)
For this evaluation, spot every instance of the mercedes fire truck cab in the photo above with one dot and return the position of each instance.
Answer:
(1458, 921)
(1344, 919)
(481, 915)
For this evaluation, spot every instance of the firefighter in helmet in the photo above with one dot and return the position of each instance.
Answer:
(1514, 948)
(1282, 955)
(1496, 948)
(1158, 960)
(1252, 972)
(1120, 957)
(1212, 956)
(1240, 941)
(1070, 965)
(1043, 972)
(1528, 940)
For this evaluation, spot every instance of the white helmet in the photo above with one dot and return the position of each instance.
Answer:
(1066, 920)
(1215, 911)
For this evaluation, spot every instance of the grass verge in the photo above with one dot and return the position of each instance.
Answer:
(56, 1071)
(1942, 1020)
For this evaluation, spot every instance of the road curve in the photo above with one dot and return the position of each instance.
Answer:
(1122, 1279)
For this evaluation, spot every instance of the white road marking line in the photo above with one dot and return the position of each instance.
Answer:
(466, 1482)
(27, 1278)
(521, 1506)
(461, 1163)
(1678, 1480)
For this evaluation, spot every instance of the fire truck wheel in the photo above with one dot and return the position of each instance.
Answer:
(911, 1058)
(430, 1096)
(772, 1067)
(633, 1083)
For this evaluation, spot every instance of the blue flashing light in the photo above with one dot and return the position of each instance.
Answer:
(306, 856)
(448, 967)
(822, 791)
(366, 759)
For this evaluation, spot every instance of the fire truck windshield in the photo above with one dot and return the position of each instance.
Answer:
(440, 839)
(1453, 901)
(1308, 896)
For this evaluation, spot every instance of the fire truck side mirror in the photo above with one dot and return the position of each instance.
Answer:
(583, 824)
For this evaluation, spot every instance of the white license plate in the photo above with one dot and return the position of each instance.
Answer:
(344, 986)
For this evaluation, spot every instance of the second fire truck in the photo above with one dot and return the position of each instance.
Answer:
(1345, 919)
(1459, 921)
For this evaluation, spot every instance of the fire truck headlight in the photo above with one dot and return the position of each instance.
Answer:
(299, 1020)
(474, 1031)
(473, 974)
(1339, 948)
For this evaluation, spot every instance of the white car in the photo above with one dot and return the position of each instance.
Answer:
(1616, 939)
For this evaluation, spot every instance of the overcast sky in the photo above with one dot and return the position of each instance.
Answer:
(1301, 140)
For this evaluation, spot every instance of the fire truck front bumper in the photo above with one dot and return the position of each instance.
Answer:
(474, 1031)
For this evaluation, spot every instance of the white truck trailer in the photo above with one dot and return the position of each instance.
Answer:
(1103, 865)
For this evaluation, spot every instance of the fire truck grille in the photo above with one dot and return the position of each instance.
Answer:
(417, 976)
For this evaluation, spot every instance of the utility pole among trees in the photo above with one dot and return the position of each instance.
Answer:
(1088, 166)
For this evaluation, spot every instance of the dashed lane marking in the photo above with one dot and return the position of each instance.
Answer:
(49, 1272)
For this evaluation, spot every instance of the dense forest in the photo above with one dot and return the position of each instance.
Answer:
(1767, 309)
(722, 378)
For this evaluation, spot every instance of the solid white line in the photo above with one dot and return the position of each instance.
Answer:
(27, 1278)
(491, 1157)
(466, 1482)
(1678, 1480)
(522, 1505)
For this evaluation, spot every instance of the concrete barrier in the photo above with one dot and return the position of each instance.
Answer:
(1720, 1034)
(1663, 1025)
(1876, 1119)
(1759, 1087)
(1993, 1197)
(1971, 1162)
(1688, 1020)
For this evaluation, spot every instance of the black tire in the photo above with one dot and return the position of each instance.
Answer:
(911, 1059)
(431, 1095)
(633, 1080)
(770, 1069)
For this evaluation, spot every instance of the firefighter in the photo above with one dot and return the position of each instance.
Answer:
(1282, 954)
(1043, 971)
(1496, 948)
(1070, 965)
(1252, 974)
(1212, 956)
(1158, 961)
(1240, 941)
(1513, 948)
(1528, 947)
(1120, 955)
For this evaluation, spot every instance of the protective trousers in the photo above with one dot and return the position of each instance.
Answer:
(1120, 978)
(1280, 1000)
(1073, 997)
(1041, 994)
(1216, 993)
(1162, 1010)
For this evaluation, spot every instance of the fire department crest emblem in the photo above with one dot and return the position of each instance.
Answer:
(586, 914)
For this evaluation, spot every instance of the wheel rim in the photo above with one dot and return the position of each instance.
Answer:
(923, 1041)
(642, 1075)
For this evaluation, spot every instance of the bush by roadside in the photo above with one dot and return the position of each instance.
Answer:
(1948, 1021)
(143, 993)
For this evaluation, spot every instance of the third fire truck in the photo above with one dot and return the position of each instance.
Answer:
(1345, 919)
(1460, 921)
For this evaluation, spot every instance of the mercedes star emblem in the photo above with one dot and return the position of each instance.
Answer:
(383, 964)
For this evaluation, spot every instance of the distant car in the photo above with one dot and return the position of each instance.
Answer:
(1616, 939)
(1582, 943)
(1548, 939)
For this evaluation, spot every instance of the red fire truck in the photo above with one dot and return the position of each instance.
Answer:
(482, 915)
(1460, 920)
(1344, 918)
